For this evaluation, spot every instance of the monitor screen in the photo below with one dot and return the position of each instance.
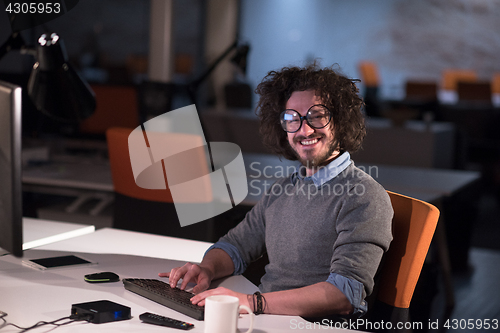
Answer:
(11, 227)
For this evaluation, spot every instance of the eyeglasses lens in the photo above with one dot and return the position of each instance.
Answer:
(290, 121)
(317, 117)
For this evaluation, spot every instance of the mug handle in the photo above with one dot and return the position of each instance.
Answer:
(247, 309)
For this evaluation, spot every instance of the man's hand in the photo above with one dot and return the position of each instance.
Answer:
(199, 299)
(216, 264)
(190, 273)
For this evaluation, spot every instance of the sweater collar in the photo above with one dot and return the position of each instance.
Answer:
(326, 173)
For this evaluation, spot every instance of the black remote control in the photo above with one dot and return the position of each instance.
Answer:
(155, 319)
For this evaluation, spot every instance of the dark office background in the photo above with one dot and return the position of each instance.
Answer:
(407, 39)
(109, 39)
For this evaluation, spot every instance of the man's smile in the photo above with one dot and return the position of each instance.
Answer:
(308, 142)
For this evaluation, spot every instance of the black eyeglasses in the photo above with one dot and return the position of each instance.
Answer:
(318, 116)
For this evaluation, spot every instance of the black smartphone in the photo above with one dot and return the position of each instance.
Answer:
(55, 262)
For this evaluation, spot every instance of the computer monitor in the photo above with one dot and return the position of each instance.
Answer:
(11, 223)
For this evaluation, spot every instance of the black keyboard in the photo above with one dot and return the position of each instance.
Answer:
(161, 292)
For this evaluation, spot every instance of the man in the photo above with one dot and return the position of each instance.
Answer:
(326, 227)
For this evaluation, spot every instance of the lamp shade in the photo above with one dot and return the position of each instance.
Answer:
(55, 87)
(240, 58)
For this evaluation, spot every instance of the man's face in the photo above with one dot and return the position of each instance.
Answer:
(313, 147)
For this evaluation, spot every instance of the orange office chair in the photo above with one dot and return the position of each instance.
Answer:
(369, 73)
(370, 78)
(140, 209)
(451, 77)
(153, 211)
(495, 84)
(116, 107)
(425, 91)
(479, 91)
(413, 227)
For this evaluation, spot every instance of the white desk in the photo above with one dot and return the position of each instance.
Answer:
(29, 295)
(115, 241)
(38, 232)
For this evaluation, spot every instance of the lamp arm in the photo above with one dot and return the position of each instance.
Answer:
(193, 86)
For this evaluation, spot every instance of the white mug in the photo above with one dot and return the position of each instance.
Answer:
(222, 313)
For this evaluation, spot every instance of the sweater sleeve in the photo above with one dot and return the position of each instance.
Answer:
(364, 225)
(353, 291)
(248, 237)
(239, 265)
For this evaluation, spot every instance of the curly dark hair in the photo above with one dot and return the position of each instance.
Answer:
(336, 91)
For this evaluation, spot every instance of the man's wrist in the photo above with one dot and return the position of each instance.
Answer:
(257, 302)
(209, 270)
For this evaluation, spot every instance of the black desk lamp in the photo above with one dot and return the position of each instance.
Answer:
(55, 88)
(239, 59)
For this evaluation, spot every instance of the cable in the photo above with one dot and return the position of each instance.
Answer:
(70, 319)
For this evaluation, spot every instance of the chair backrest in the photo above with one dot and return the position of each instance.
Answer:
(116, 106)
(148, 210)
(420, 90)
(121, 168)
(413, 224)
(495, 84)
(451, 77)
(369, 73)
(188, 168)
(474, 91)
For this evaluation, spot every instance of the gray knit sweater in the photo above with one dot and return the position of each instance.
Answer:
(309, 232)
